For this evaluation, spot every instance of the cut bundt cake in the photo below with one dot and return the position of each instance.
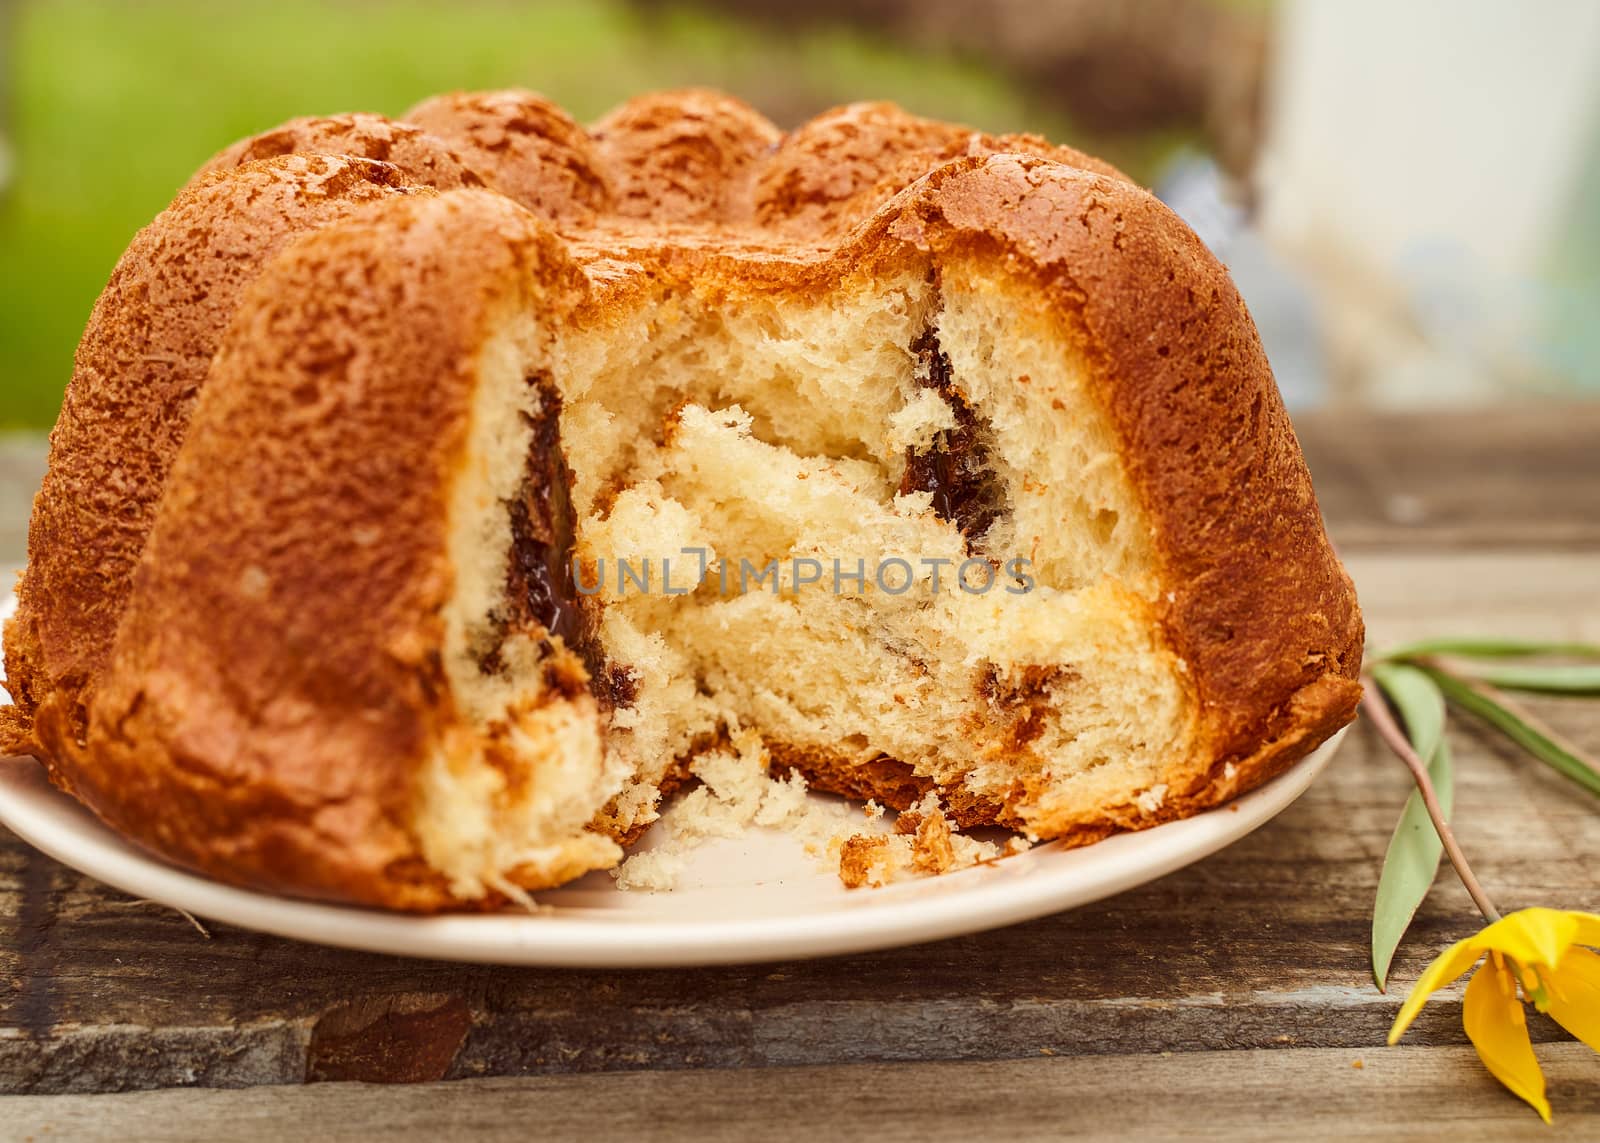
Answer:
(140, 368)
(420, 511)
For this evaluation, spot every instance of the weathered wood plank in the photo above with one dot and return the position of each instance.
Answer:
(1261, 946)
(1396, 1093)
(1524, 476)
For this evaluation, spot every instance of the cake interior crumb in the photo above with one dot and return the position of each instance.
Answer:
(737, 791)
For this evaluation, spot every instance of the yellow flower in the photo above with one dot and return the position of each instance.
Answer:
(1537, 951)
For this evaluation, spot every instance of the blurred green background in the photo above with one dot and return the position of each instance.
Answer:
(112, 105)
(1453, 276)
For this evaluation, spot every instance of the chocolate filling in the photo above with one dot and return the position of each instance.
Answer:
(539, 587)
(539, 584)
(956, 469)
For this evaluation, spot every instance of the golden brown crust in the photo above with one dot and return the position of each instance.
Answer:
(834, 171)
(690, 157)
(289, 770)
(422, 158)
(684, 156)
(140, 367)
(525, 146)
(275, 685)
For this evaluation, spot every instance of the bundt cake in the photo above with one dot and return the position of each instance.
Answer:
(429, 494)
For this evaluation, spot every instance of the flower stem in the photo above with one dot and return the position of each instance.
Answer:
(1389, 730)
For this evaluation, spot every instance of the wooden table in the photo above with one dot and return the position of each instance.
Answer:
(1231, 1000)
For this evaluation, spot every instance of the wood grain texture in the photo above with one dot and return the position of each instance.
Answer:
(1225, 965)
(1405, 1093)
(1525, 475)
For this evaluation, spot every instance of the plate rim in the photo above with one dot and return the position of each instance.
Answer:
(54, 823)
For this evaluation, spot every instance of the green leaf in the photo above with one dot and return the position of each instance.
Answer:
(1520, 729)
(1559, 678)
(1419, 701)
(1488, 647)
(1412, 860)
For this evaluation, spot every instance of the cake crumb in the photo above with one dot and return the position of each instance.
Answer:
(653, 872)
(1151, 800)
(932, 851)
(865, 859)
(1015, 845)
(907, 821)
(736, 791)
(923, 843)
(919, 422)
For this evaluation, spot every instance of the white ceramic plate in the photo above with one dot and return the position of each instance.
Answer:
(756, 898)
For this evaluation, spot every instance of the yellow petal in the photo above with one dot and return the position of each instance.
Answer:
(1531, 936)
(1498, 1028)
(1574, 995)
(1588, 929)
(1446, 967)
